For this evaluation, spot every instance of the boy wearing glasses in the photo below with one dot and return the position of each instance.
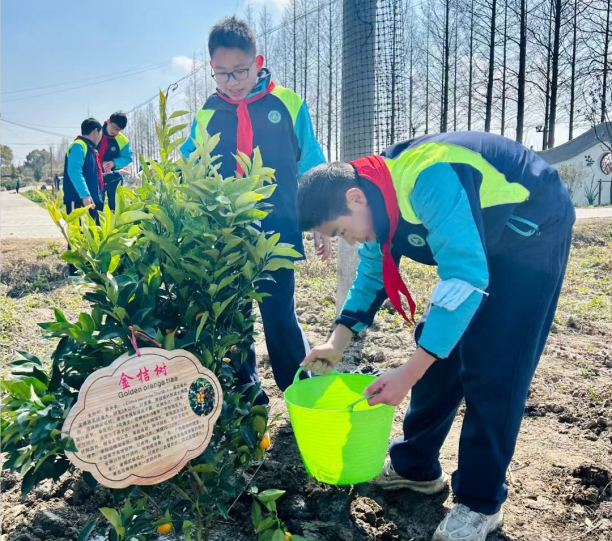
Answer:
(250, 111)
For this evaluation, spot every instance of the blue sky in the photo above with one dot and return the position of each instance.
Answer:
(48, 42)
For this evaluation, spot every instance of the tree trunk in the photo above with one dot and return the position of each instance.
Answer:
(295, 45)
(554, 85)
(504, 69)
(606, 66)
(455, 74)
(573, 76)
(305, 86)
(427, 82)
(331, 86)
(318, 68)
(444, 122)
(547, 97)
(471, 72)
(358, 102)
(410, 81)
(491, 74)
(520, 112)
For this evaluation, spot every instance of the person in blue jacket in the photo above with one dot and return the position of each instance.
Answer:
(497, 221)
(115, 153)
(249, 110)
(82, 181)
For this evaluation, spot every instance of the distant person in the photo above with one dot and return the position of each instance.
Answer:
(17, 184)
(57, 181)
(115, 153)
(83, 184)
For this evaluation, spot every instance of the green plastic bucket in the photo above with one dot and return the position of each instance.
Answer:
(342, 440)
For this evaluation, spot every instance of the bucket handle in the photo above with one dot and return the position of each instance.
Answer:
(352, 405)
(300, 370)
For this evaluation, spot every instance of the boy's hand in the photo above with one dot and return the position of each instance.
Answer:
(108, 166)
(323, 359)
(88, 202)
(322, 245)
(392, 387)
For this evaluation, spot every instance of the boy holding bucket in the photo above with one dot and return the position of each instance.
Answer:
(497, 221)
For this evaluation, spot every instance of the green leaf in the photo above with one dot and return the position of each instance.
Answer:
(267, 536)
(265, 525)
(260, 410)
(187, 527)
(87, 530)
(132, 216)
(261, 246)
(279, 535)
(177, 114)
(298, 538)
(256, 513)
(203, 468)
(277, 263)
(87, 322)
(247, 198)
(59, 316)
(201, 324)
(76, 214)
(259, 424)
(286, 252)
(270, 495)
(112, 516)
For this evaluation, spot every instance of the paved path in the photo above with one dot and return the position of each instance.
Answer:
(20, 218)
(603, 212)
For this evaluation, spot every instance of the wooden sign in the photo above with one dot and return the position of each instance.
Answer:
(141, 419)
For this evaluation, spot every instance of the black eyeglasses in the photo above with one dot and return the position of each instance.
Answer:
(238, 75)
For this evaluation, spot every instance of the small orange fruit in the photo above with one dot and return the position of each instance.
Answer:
(227, 360)
(264, 443)
(288, 536)
(164, 528)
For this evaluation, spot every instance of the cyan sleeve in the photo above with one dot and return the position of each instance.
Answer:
(125, 157)
(189, 146)
(367, 292)
(311, 154)
(442, 204)
(76, 159)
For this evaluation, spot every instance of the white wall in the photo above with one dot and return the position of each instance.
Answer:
(596, 152)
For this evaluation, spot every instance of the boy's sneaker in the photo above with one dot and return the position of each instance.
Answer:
(463, 524)
(389, 479)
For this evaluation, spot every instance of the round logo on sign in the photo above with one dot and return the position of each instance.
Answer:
(416, 240)
(274, 117)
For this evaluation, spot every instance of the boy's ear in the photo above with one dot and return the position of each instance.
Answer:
(259, 62)
(356, 196)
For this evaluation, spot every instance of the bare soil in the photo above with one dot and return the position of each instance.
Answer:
(560, 480)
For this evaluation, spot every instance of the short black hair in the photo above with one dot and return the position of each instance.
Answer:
(88, 125)
(322, 194)
(232, 33)
(119, 118)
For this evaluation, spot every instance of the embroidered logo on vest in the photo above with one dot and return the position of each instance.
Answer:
(416, 240)
(274, 117)
(113, 148)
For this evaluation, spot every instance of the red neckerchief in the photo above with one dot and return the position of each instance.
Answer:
(104, 143)
(98, 162)
(375, 170)
(244, 135)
